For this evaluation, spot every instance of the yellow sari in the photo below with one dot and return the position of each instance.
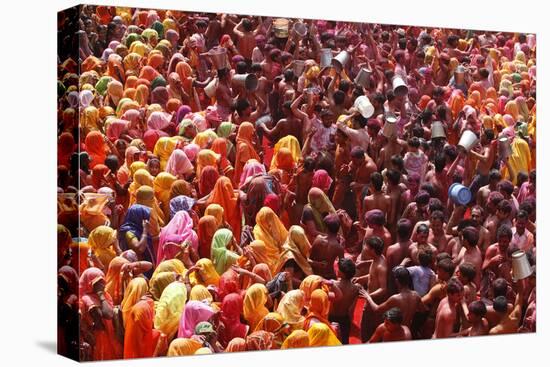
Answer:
(290, 308)
(320, 335)
(206, 275)
(296, 247)
(297, 339)
(169, 309)
(292, 144)
(136, 289)
(101, 241)
(273, 233)
(254, 309)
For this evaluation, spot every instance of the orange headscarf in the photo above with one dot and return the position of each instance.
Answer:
(95, 146)
(245, 148)
(319, 306)
(224, 195)
(140, 338)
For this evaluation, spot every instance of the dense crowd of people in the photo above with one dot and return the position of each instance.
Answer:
(235, 183)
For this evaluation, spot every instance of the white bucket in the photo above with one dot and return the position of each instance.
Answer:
(468, 140)
(520, 266)
(363, 105)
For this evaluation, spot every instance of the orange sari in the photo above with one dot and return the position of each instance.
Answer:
(245, 149)
(224, 195)
(140, 339)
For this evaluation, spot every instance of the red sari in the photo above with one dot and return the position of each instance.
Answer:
(232, 306)
(140, 339)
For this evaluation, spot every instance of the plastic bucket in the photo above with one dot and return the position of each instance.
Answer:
(363, 105)
(468, 140)
(460, 194)
(399, 87)
(390, 127)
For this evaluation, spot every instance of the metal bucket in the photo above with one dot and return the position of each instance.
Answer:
(326, 57)
(504, 147)
(399, 87)
(340, 61)
(363, 77)
(298, 67)
(390, 126)
(520, 266)
(280, 27)
(210, 89)
(246, 81)
(300, 29)
(438, 130)
(468, 140)
(218, 55)
(460, 194)
(363, 105)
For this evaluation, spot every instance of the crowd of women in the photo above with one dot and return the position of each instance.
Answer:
(235, 183)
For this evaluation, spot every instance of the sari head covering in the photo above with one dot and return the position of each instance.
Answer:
(245, 148)
(232, 306)
(101, 241)
(225, 129)
(132, 63)
(181, 203)
(456, 103)
(319, 307)
(205, 275)
(64, 241)
(145, 195)
(208, 225)
(309, 285)
(320, 335)
(224, 195)
(204, 350)
(183, 347)
(205, 158)
(163, 185)
(274, 323)
(512, 109)
(133, 222)
(90, 118)
(70, 276)
(200, 293)
(86, 97)
(183, 110)
(142, 95)
(251, 169)
(169, 309)
(155, 59)
(159, 120)
(115, 90)
(272, 232)
(136, 289)
(217, 212)
(195, 312)
(220, 146)
(283, 160)
(291, 143)
(236, 345)
(65, 148)
(297, 339)
(181, 187)
(259, 340)
(96, 148)
(114, 284)
(164, 148)
(254, 309)
(297, 248)
(142, 177)
(322, 180)
(149, 73)
(191, 150)
(116, 128)
(257, 250)
(87, 279)
(221, 256)
(160, 95)
(177, 231)
(321, 205)
(207, 180)
(172, 105)
(173, 265)
(159, 282)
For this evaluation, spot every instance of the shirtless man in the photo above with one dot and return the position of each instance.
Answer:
(496, 256)
(470, 253)
(289, 125)
(407, 300)
(499, 287)
(437, 235)
(509, 321)
(439, 178)
(476, 213)
(446, 315)
(394, 192)
(391, 329)
(445, 270)
(362, 166)
(375, 219)
(421, 243)
(376, 279)
(482, 195)
(326, 248)
(244, 111)
(466, 274)
(398, 251)
(476, 317)
(503, 217)
(377, 200)
(246, 37)
(392, 147)
(341, 311)
(299, 185)
(486, 157)
(224, 96)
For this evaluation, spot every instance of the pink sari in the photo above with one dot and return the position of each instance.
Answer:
(194, 312)
(178, 230)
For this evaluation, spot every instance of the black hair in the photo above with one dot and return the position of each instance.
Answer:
(332, 222)
(437, 215)
(289, 75)
(471, 236)
(404, 229)
(397, 161)
(394, 315)
(454, 286)
(376, 244)
(394, 177)
(255, 67)
(402, 276)
(247, 25)
(309, 163)
(339, 97)
(446, 265)
(425, 258)
(347, 268)
(500, 287)
(376, 180)
(439, 162)
(414, 142)
(241, 105)
(241, 67)
(112, 163)
(505, 206)
(478, 308)
(468, 271)
(435, 204)
(522, 214)
(378, 97)
(504, 231)
(495, 175)
(500, 304)
(344, 85)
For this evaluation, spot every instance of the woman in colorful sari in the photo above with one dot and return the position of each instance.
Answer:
(162, 185)
(207, 226)
(169, 309)
(320, 335)
(290, 307)
(136, 289)
(256, 192)
(274, 323)
(140, 338)
(221, 256)
(293, 145)
(319, 307)
(273, 233)
(159, 282)
(245, 148)
(254, 253)
(320, 205)
(179, 165)
(164, 148)
(296, 248)
(251, 169)
(97, 314)
(194, 312)
(103, 242)
(141, 177)
(183, 347)
(309, 285)
(96, 148)
(297, 339)
(259, 340)
(206, 158)
(207, 180)
(224, 195)
(134, 235)
(204, 273)
(254, 309)
(201, 293)
(220, 147)
(145, 195)
(236, 345)
(232, 306)
(177, 232)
